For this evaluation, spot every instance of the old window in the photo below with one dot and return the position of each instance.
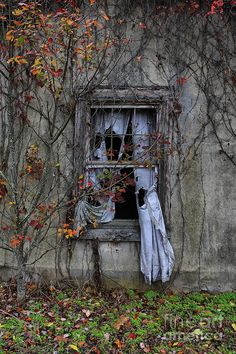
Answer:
(122, 149)
(122, 141)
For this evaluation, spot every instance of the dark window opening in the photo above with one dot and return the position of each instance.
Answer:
(113, 144)
(141, 195)
(127, 208)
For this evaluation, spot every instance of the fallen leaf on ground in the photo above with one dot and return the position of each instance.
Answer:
(120, 322)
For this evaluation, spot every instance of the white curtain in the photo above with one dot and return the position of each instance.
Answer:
(117, 122)
(156, 254)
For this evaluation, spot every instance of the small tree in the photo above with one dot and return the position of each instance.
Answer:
(50, 58)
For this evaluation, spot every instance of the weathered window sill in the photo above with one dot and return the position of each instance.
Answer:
(116, 230)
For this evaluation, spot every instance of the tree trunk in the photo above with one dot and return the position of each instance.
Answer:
(21, 277)
(21, 284)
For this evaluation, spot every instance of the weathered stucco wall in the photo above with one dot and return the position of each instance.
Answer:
(201, 172)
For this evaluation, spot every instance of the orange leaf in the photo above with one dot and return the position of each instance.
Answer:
(17, 12)
(36, 71)
(81, 344)
(120, 322)
(9, 36)
(104, 15)
(119, 344)
(22, 61)
(15, 242)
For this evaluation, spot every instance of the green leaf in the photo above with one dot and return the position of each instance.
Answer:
(233, 326)
(20, 41)
(73, 346)
(198, 332)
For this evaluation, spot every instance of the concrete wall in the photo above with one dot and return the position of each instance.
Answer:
(201, 175)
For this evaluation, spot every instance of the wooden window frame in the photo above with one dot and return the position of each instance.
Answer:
(121, 98)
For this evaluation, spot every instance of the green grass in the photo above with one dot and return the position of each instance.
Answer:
(68, 322)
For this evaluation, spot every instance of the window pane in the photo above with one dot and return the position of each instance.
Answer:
(120, 137)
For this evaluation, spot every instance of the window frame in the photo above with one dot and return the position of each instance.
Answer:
(122, 98)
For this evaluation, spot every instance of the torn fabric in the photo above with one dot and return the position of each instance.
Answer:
(156, 254)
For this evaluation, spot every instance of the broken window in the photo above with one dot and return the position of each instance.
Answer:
(121, 140)
(122, 168)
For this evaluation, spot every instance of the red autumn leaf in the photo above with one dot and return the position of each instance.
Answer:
(41, 208)
(142, 25)
(29, 98)
(36, 224)
(20, 237)
(194, 5)
(161, 301)
(60, 11)
(166, 142)
(33, 222)
(181, 81)
(132, 335)
(56, 73)
(216, 7)
(3, 190)
(6, 228)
